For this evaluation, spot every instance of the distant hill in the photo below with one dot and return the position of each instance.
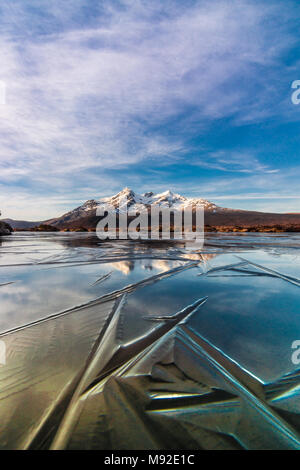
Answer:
(19, 224)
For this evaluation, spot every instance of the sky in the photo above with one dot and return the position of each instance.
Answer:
(188, 95)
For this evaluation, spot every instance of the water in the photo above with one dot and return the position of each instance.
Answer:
(78, 317)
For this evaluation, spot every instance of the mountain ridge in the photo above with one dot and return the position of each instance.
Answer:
(135, 202)
(85, 216)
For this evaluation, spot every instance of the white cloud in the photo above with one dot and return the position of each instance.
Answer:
(80, 97)
(234, 162)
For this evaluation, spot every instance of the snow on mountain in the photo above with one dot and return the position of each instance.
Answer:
(140, 201)
(135, 202)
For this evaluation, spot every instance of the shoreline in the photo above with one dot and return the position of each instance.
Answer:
(207, 229)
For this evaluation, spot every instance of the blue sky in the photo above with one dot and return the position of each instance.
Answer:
(193, 96)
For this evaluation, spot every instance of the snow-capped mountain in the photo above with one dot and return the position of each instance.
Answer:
(135, 202)
(85, 216)
(138, 202)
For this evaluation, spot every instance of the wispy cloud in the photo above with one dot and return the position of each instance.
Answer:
(99, 87)
(233, 162)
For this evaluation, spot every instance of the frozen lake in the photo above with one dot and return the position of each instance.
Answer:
(97, 334)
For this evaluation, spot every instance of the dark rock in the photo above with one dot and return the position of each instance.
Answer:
(5, 229)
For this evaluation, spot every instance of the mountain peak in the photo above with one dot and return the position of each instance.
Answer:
(125, 191)
(168, 192)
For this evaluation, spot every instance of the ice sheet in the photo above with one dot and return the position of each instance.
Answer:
(129, 345)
